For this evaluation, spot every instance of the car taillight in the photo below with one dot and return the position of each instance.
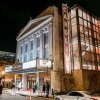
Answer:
(93, 99)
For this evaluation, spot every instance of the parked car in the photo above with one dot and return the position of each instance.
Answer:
(76, 95)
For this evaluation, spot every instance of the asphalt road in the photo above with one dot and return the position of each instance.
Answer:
(7, 96)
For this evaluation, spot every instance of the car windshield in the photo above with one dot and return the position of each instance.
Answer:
(78, 93)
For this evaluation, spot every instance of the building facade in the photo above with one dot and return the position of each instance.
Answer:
(66, 53)
(40, 50)
(84, 30)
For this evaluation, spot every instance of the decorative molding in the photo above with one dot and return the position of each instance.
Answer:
(32, 22)
(35, 29)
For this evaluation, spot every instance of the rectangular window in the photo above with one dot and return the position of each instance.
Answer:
(84, 15)
(80, 12)
(38, 47)
(45, 45)
(26, 48)
(32, 44)
(38, 53)
(80, 21)
(85, 23)
(81, 28)
(46, 38)
(73, 21)
(74, 31)
(88, 17)
(46, 53)
(20, 58)
(31, 49)
(25, 58)
(21, 53)
(31, 56)
(38, 42)
(21, 50)
(73, 13)
(89, 25)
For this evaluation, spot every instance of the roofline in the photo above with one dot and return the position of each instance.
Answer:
(78, 6)
(31, 22)
(7, 52)
(35, 29)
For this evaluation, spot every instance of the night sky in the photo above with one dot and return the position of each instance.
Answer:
(15, 14)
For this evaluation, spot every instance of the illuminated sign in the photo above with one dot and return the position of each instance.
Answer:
(30, 64)
(45, 63)
(66, 38)
(17, 67)
(8, 69)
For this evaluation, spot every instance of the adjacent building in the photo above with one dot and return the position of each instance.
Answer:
(61, 48)
(6, 61)
(84, 38)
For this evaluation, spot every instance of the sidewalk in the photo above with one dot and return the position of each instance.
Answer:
(28, 93)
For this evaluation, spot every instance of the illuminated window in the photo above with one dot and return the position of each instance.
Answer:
(88, 17)
(25, 58)
(73, 13)
(32, 42)
(32, 49)
(80, 12)
(73, 21)
(81, 21)
(38, 47)
(21, 53)
(45, 45)
(38, 42)
(84, 15)
(26, 53)
(46, 38)
(21, 50)
(26, 48)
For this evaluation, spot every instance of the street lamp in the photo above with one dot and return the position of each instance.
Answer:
(3, 72)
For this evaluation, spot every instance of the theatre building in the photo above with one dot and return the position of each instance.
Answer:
(61, 48)
(40, 50)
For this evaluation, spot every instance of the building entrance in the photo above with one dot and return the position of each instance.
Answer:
(31, 78)
(39, 79)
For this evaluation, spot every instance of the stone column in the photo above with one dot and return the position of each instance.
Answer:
(37, 78)
(55, 81)
(57, 53)
(24, 81)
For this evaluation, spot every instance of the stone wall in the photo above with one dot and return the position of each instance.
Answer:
(83, 80)
(56, 78)
(78, 80)
(88, 80)
(91, 80)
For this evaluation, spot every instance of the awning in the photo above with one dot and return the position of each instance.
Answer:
(30, 70)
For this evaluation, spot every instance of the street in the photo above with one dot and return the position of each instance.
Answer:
(7, 96)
